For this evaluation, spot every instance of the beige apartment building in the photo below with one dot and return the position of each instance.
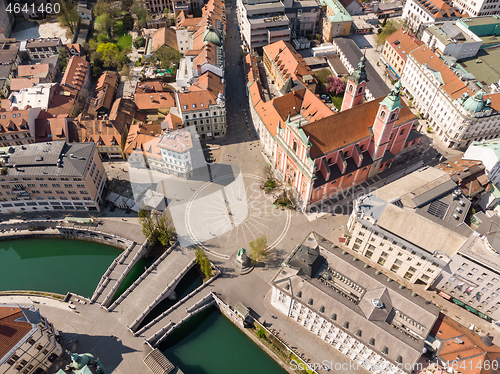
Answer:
(412, 227)
(29, 343)
(51, 176)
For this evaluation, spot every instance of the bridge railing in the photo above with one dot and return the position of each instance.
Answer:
(142, 277)
(167, 291)
(179, 303)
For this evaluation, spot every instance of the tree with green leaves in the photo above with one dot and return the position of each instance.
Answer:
(384, 32)
(203, 261)
(103, 23)
(141, 11)
(258, 248)
(68, 15)
(156, 227)
(110, 54)
(139, 42)
(261, 333)
(63, 58)
(126, 4)
(128, 22)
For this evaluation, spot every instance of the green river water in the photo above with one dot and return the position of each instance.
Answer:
(57, 265)
(208, 343)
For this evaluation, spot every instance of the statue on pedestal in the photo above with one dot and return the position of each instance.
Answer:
(242, 257)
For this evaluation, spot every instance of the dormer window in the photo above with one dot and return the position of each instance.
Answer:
(185, 106)
(201, 105)
(194, 106)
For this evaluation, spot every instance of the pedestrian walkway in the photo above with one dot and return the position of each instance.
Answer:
(116, 273)
(161, 279)
(158, 329)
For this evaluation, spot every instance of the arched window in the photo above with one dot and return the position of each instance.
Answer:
(350, 88)
(360, 89)
(382, 114)
(295, 146)
(393, 116)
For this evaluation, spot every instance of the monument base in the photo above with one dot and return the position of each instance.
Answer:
(241, 269)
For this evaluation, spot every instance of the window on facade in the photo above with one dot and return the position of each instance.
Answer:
(382, 114)
(295, 146)
(369, 254)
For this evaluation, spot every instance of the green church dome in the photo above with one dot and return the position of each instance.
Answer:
(212, 36)
(475, 103)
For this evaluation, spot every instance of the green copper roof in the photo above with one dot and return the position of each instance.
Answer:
(475, 103)
(359, 74)
(340, 14)
(393, 100)
(212, 36)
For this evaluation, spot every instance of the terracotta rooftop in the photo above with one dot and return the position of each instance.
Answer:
(76, 46)
(164, 36)
(177, 141)
(13, 121)
(251, 68)
(144, 87)
(464, 347)
(296, 102)
(184, 20)
(49, 129)
(154, 100)
(439, 9)
(207, 55)
(287, 60)
(451, 83)
(197, 100)
(17, 84)
(468, 174)
(75, 72)
(144, 143)
(105, 90)
(122, 113)
(172, 122)
(347, 127)
(209, 82)
(11, 331)
(403, 43)
(37, 70)
(63, 100)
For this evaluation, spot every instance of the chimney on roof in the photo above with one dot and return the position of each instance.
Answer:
(198, 67)
(151, 97)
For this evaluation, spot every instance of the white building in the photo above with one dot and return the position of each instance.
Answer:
(459, 112)
(370, 320)
(28, 341)
(176, 147)
(204, 111)
(472, 278)
(37, 96)
(262, 22)
(411, 227)
(452, 38)
(477, 8)
(418, 12)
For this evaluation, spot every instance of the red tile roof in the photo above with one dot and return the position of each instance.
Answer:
(75, 72)
(209, 82)
(287, 60)
(49, 129)
(464, 347)
(154, 100)
(403, 43)
(63, 101)
(14, 121)
(200, 99)
(452, 83)
(172, 122)
(11, 331)
(40, 70)
(17, 84)
(439, 9)
(76, 46)
(331, 133)
(105, 89)
(300, 101)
